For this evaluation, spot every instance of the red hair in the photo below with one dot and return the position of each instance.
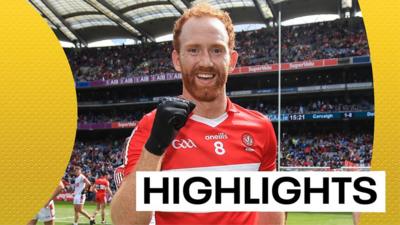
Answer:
(203, 10)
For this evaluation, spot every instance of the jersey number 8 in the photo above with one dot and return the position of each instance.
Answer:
(219, 148)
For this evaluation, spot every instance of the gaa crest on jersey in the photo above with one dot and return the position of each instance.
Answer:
(183, 144)
(248, 141)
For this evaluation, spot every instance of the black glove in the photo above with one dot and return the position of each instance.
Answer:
(172, 114)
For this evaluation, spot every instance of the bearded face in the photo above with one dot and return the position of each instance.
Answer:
(204, 58)
(204, 83)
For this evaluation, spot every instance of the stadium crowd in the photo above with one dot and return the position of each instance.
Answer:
(109, 117)
(94, 157)
(334, 39)
(264, 106)
(326, 150)
(315, 106)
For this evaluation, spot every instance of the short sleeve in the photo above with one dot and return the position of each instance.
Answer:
(268, 161)
(136, 142)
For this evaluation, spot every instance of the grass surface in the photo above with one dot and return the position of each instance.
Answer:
(295, 218)
(65, 215)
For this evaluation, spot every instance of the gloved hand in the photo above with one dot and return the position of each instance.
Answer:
(172, 114)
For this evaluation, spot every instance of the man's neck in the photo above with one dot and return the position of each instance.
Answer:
(210, 110)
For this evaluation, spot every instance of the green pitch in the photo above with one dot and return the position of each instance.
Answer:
(320, 219)
(65, 215)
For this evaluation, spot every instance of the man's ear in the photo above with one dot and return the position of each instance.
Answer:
(175, 60)
(234, 59)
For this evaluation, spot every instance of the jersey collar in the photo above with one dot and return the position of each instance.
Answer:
(230, 107)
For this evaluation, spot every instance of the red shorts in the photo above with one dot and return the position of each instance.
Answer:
(101, 198)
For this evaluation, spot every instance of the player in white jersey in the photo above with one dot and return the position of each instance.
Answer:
(80, 196)
(47, 213)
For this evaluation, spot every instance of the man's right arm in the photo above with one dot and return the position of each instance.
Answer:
(123, 205)
(171, 115)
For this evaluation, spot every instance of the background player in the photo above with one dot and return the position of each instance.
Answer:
(101, 187)
(47, 213)
(203, 53)
(80, 195)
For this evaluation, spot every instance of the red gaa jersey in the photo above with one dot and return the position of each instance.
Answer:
(101, 185)
(238, 140)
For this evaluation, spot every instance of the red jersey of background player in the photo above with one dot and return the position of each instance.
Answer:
(238, 140)
(101, 185)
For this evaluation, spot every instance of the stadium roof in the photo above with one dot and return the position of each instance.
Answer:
(85, 21)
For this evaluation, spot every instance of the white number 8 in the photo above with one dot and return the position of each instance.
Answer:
(219, 148)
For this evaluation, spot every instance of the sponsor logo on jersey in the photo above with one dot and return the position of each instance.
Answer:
(219, 136)
(183, 144)
(248, 141)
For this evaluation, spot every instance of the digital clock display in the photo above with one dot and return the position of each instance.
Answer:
(297, 117)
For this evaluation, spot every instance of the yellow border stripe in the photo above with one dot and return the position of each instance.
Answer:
(381, 21)
(38, 112)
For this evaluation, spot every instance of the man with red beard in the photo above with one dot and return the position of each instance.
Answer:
(200, 130)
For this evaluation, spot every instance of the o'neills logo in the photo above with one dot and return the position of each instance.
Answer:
(220, 136)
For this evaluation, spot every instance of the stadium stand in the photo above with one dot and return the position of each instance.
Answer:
(94, 157)
(313, 96)
(334, 39)
(333, 150)
(327, 88)
(336, 104)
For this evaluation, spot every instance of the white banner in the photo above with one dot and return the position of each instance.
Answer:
(213, 191)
